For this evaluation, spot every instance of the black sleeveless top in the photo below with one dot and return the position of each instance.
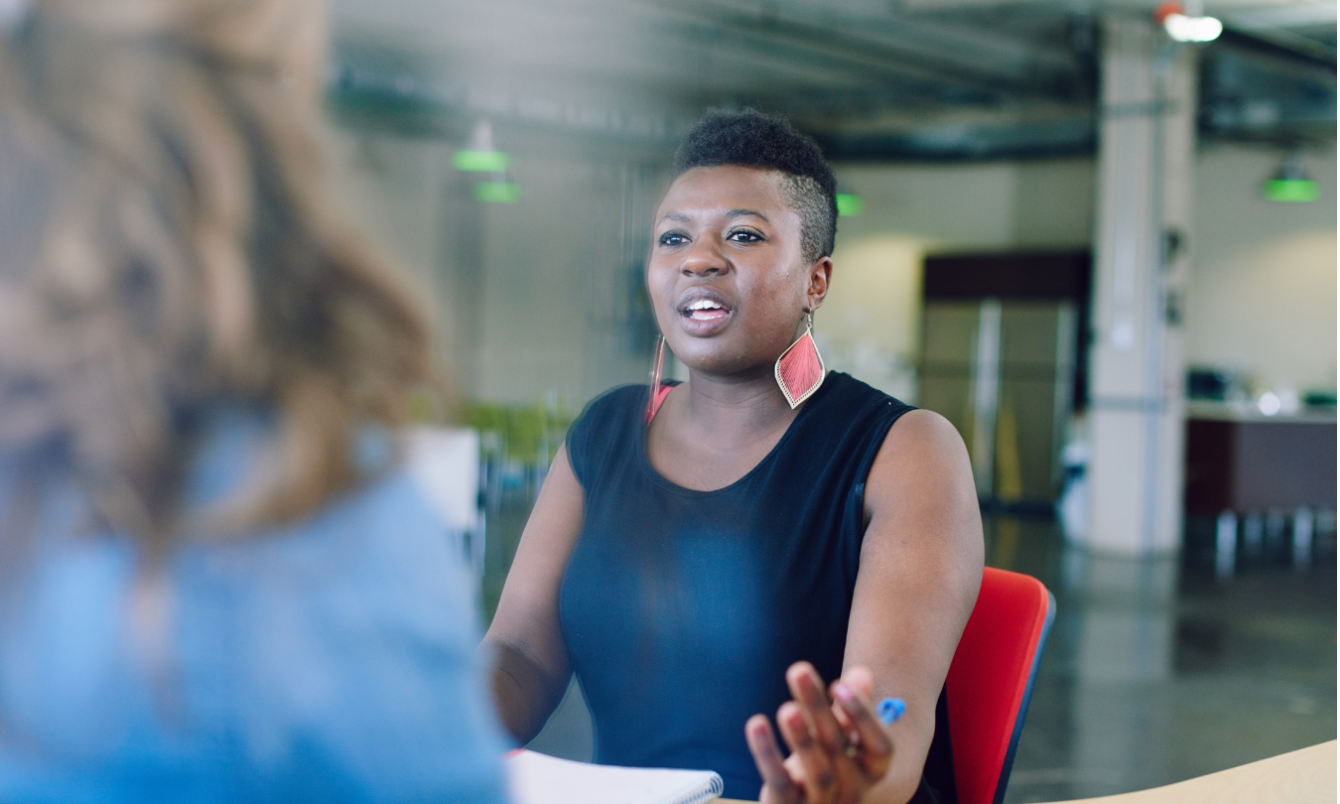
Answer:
(682, 609)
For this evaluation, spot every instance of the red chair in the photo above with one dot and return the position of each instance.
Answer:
(991, 681)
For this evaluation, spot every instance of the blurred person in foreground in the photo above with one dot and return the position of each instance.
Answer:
(704, 553)
(217, 584)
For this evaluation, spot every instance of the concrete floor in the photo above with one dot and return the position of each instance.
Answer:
(1154, 673)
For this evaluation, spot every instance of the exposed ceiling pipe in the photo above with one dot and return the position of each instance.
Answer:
(863, 52)
(1316, 55)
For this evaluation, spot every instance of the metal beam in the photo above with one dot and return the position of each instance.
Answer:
(865, 52)
(1319, 57)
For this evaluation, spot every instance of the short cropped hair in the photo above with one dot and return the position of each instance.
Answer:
(768, 142)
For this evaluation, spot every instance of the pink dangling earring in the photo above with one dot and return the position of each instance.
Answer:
(800, 369)
(656, 393)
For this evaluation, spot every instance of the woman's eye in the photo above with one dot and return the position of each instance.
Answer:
(672, 239)
(744, 236)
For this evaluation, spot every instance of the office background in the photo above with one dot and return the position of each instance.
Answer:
(510, 154)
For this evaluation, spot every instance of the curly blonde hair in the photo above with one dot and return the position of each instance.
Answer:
(166, 243)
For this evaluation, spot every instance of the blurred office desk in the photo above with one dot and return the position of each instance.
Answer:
(1259, 471)
(1298, 777)
(1241, 461)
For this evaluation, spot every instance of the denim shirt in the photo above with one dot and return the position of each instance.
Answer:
(330, 660)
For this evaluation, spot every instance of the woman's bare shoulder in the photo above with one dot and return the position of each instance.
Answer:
(921, 435)
(922, 464)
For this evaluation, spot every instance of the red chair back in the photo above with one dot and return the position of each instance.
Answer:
(991, 680)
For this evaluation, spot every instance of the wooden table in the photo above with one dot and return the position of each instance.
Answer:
(1298, 777)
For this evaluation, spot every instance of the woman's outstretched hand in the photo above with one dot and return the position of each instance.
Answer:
(839, 748)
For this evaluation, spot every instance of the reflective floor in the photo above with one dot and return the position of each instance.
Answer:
(1155, 672)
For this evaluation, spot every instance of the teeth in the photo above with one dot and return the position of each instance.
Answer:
(704, 304)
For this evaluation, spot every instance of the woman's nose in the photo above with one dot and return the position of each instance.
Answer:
(704, 260)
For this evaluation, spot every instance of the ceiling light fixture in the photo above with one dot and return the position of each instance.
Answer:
(1290, 183)
(497, 192)
(1189, 24)
(480, 156)
(849, 205)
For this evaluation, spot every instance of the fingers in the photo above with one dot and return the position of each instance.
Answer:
(838, 745)
(861, 682)
(832, 736)
(778, 788)
(840, 714)
(877, 747)
(817, 774)
(808, 689)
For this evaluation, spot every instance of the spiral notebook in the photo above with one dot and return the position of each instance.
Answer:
(541, 779)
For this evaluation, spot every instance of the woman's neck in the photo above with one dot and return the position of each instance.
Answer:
(716, 429)
(735, 407)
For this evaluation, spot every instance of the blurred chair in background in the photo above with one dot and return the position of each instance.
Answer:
(217, 581)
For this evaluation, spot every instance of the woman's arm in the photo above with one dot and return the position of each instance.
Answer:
(921, 566)
(531, 668)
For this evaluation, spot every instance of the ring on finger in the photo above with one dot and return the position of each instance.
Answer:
(850, 751)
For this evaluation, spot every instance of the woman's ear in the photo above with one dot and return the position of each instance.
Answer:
(821, 273)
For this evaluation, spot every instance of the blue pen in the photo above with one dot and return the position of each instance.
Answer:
(890, 710)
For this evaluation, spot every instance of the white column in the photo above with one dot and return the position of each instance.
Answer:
(1146, 152)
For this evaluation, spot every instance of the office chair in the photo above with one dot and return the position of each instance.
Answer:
(991, 681)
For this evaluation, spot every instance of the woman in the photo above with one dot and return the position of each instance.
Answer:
(216, 584)
(722, 552)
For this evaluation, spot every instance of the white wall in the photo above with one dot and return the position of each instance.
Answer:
(402, 194)
(562, 268)
(531, 300)
(1262, 295)
(871, 323)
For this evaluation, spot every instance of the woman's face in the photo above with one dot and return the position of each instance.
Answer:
(727, 277)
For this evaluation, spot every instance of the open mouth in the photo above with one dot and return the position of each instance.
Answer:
(705, 310)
